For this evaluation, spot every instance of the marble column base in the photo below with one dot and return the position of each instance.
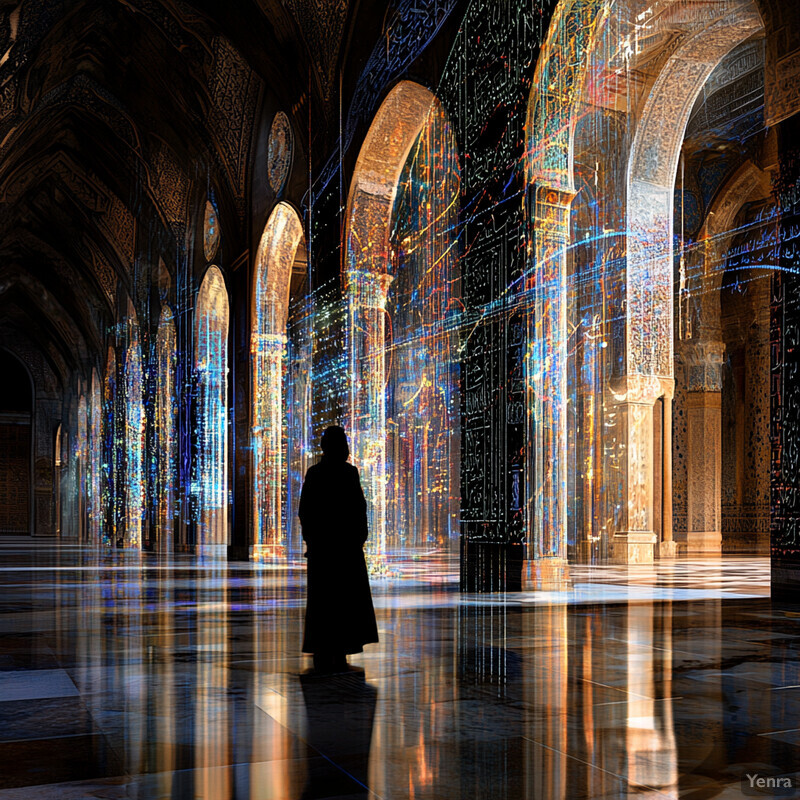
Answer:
(491, 566)
(668, 549)
(267, 553)
(212, 552)
(545, 574)
(634, 547)
(583, 553)
(704, 543)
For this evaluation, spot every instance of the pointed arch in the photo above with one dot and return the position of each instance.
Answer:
(367, 272)
(95, 459)
(111, 452)
(569, 76)
(553, 111)
(166, 424)
(211, 323)
(280, 242)
(134, 431)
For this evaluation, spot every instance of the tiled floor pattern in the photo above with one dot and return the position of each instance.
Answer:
(128, 676)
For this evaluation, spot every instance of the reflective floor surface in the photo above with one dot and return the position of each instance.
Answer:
(127, 676)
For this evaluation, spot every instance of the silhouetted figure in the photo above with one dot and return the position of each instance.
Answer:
(340, 618)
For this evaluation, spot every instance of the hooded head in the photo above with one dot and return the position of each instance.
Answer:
(334, 444)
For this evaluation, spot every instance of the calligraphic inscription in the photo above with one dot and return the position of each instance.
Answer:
(15, 468)
(486, 93)
(785, 372)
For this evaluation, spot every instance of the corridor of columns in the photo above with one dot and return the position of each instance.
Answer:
(537, 259)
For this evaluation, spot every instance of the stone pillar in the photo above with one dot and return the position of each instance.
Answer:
(368, 292)
(546, 387)
(666, 548)
(704, 450)
(635, 397)
(269, 543)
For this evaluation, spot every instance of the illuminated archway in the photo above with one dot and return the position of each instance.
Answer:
(721, 470)
(553, 110)
(588, 61)
(404, 115)
(422, 381)
(84, 478)
(211, 399)
(112, 453)
(282, 237)
(95, 460)
(165, 429)
(134, 431)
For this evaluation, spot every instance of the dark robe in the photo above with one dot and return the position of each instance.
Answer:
(333, 512)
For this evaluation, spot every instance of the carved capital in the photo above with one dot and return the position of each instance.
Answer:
(642, 389)
(702, 359)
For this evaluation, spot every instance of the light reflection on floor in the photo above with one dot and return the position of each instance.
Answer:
(124, 676)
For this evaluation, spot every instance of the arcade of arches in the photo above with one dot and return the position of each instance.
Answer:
(539, 259)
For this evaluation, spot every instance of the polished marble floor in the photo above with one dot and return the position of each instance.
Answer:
(129, 676)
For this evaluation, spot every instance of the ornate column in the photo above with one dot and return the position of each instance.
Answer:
(546, 388)
(268, 542)
(367, 292)
(666, 548)
(634, 399)
(704, 452)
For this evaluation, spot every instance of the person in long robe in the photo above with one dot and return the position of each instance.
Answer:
(340, 618)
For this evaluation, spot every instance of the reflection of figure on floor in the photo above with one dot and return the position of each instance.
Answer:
(340, 710)
(340, 618)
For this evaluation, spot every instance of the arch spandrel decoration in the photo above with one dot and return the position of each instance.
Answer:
(558, 87)
(277, 251)
(652, 169)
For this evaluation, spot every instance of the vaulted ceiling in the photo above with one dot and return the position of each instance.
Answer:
(116, 116)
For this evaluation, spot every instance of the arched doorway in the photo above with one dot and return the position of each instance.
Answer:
(95, 459)
(722, 396)
(402, 285)
(134, 432)
(166, 425)
(81, 461)
(281, 243)
(16, 418)
(652, 88)
(422, 381)
(112, 455)
(211, 414)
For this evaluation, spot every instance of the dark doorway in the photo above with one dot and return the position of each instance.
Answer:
(16, 412)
